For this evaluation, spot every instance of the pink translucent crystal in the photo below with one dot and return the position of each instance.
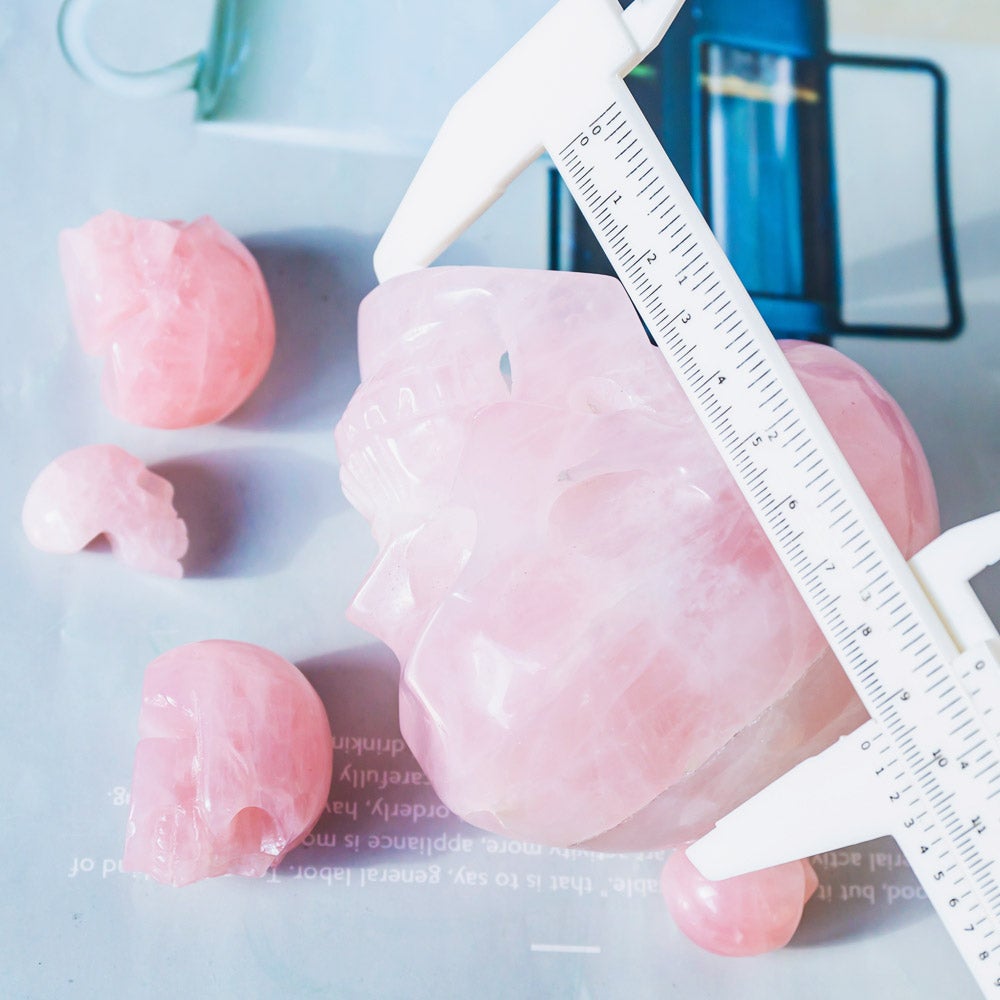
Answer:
(102, 490)
(742, 916)
(233, 764)
(179, 312)
(599, 645)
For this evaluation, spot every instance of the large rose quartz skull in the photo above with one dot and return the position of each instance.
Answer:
(599, 645)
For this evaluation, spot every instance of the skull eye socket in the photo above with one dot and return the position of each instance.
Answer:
(254, 839)
(505, 370)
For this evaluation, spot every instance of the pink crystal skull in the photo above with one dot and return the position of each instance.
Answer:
(747, 915)
(179, 312)
(101, 489)
(233, 764)
(599, 646)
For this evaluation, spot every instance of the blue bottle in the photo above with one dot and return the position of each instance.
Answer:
(739, 94)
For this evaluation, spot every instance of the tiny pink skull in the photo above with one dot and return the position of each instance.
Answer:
(102, 490)
(233, 764)
(179, 312)
(747, 915)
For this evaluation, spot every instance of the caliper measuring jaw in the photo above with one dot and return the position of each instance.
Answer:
(504, 122)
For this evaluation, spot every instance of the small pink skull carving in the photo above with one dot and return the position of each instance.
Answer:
(233, 764)
(101, 489)
(179, 312)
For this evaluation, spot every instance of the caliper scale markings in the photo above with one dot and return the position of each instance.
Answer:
(703, 322)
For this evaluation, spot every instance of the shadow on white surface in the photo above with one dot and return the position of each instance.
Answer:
(250, 510)
(382, 797)
(316, 278)
(865, 891)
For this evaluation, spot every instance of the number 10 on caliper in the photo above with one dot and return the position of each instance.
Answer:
(915, 642)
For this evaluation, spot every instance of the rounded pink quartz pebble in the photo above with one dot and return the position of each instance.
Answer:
(233, 765)
(99, 490)
(599, 645)
(747, 915)
(179, 312)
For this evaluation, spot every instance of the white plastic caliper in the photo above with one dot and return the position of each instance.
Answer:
(915, 641)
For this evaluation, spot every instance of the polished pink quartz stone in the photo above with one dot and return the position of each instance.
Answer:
(178, 311)
(233, 765)
(747, 915)
(599, 645)
(102, 490)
